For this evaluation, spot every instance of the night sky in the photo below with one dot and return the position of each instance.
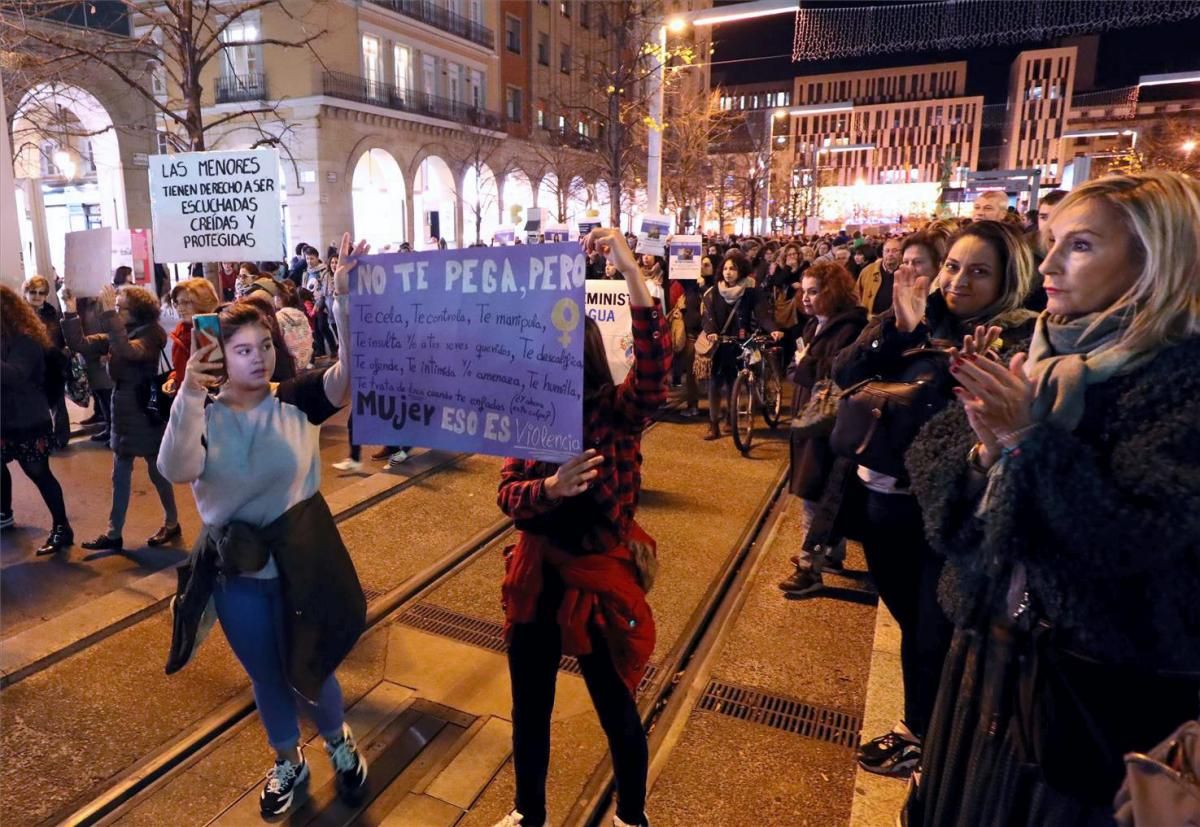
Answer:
(1122, 55)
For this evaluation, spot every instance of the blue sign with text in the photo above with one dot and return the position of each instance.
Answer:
(476, 350)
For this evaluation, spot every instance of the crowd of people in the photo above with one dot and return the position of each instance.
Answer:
(1001, 411)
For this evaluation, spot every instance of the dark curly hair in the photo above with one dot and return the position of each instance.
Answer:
(142, 306)
(743, 265)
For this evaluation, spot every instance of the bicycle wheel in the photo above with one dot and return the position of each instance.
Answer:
(772, 393)
(741, 410)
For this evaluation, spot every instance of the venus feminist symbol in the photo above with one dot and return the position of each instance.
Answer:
(565, 319)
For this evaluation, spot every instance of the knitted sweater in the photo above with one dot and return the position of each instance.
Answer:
(1105, 519)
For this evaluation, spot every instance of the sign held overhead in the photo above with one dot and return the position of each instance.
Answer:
(216, 206)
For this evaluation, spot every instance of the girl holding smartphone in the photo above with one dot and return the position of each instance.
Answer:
(269, 556)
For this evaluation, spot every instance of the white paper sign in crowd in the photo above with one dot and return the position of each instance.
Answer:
(216, 206)
(685, 256)
(93, 256)
(607, 305)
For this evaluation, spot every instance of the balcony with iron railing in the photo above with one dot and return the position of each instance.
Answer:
(362, 90)
(441, 18)
(235, 88)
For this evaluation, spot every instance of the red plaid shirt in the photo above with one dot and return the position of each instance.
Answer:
(601, 517)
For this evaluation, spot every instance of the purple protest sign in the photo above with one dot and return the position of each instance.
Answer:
(476, 350)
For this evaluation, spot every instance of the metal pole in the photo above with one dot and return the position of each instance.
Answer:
(654, 143)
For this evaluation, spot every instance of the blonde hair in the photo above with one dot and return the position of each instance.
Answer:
(201, 292)
(1161, 210)
(36, 281)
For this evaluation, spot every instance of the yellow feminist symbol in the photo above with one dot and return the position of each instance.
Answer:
(565, 318)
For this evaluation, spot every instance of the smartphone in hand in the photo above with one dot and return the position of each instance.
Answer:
(206, 330)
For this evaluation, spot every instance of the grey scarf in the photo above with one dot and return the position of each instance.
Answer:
(732, 294)
(1065, 357)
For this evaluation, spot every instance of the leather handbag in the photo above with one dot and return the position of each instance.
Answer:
(678, 328)
(702, 364)
(1163, 787)
(878, 419)
(786, 314)
(817, 417)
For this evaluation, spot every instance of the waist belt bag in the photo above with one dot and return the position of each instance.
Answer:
(878, 419)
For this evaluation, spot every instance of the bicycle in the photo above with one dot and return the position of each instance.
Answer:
(759, 379)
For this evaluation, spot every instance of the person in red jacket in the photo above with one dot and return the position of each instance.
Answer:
(576, 580)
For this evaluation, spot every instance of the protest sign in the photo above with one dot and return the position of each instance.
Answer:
(476, 350)
(505, 237)
(556, 235)
(685, 257)
(92, 257)
(652, 235)
(587, 226)
(608, 307)
(216, 206)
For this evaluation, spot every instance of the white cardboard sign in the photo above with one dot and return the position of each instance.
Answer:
(92, 257)
(686, 252)
(653, 231)
(608, 305)
(216, 206)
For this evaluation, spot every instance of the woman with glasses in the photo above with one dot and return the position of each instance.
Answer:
(37, 290)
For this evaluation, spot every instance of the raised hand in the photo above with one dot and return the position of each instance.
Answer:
(203, 370)
(108, 297)
(998, 399)
(910, 294)
(611, 243)
(69, 302)
(347, 258)
(575, 475)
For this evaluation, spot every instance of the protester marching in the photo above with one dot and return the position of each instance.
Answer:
(1020, 483)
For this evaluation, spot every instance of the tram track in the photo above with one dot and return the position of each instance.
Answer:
(670, 699)
(42, 661)
(157, 769)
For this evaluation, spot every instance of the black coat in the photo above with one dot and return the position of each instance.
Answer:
(24, 411)
(325, 610)
(1104, 521)
(812, 458)
(133, 363)
(753, 315)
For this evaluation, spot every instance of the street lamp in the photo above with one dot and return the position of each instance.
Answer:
(676, 24)
(1188, 147)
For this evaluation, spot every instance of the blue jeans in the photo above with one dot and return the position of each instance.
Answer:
(251, 614)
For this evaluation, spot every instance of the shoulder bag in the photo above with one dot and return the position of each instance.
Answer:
(159, 399)
(817, 417)
(786, 315)
(678, 328)
(702, 364)
(878, 419)
(78, 389)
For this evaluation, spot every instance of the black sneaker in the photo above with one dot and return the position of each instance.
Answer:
(804, 581)
(286, 784)
(893, 754)
(349, 766)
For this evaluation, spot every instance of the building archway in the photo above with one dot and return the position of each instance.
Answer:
(434, 199)
(378, 199)
(68, 164)
(481, 197)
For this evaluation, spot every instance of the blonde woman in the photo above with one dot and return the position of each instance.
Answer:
(1069, 518)
(190, 297)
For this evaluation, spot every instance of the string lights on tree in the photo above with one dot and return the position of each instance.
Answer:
(835, 32)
